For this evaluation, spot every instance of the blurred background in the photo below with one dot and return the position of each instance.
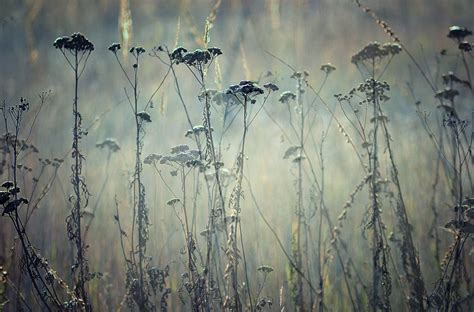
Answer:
(303, 33)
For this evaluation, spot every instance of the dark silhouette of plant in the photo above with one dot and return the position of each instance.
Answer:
(142, 279)
(45, 280)
(76, 50)
(111, 146)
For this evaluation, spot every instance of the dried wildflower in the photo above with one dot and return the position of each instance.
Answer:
(177, 54)
(299, 75)
(392, 48)
(114, 47)
(196, 130)
(327, 68)
(137, 50)
(179, 149)
(265, 269)
(195, 58)
(286, 96)
(465, 46)
(4, 197)
(152, 159)
(459, 33)
(173, 201)
(7, 184)
(76, 42)
(292, 150)
(182, 158)
(109, 143)
(144, 116)
(374, 50)
(271, 86)
(214, 51)
(245, 88)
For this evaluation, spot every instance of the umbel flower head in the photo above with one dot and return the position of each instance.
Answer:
(195, 58)
(77, 42)
(375, 50)
(109, 143)
(246, 88)
(286, 96)
(327, 68)
(114, 47)
(458, 33)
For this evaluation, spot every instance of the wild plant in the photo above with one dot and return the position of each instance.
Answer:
(372, 61)
(47, 285)
(111, 146)
(298, 112)
(452, 129)
(245, 93)
(448, 294)
(142, 280)
(198, 63)
(76, 49)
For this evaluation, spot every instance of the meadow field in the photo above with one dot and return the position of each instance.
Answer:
(212, 155)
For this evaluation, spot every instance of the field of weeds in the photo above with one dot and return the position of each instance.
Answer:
(306, 155)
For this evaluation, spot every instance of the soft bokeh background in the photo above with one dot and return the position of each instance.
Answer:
(304, 33)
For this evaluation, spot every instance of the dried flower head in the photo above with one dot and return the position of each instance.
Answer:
(215, 51)
(271, 86)
(195, 58)
(465, 46)
(173, 201)
(245, 88)
(179, 148)
(76, 42)
(137, 51)
(152, 159)
(114, 47)
(265, 269)
(286, 96)
(374, 50)
(177, 54)
(109, 143)
(197, 130)
(327, 68)
(458, 33)
(144, 116)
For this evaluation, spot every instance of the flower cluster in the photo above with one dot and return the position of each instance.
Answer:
(458, 33)
(180, 155)
(9, 204)
(195, 58)
(76, 42)
(372, 88)
(327, 68)
(109, 143)
(245, 88)
(24, 105)
(144, 116)
(287, 96)
(114, 47)
(136, 50)
(152, 159)
(375, 50)
(197, 130)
